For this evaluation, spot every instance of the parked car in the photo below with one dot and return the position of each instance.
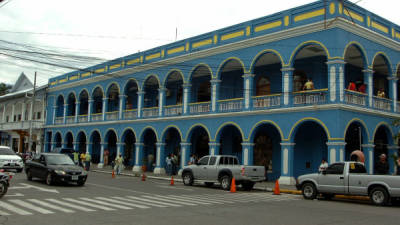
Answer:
(350, 178)
(55, 167)
(67, 151)
(9, 160)
(221, 169)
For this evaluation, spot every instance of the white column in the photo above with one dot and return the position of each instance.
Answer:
(4, 113)
(65, 113)
(76, 111)
(104, 108)
(121, 106)
(23, 109)
(43, 110)
(12, 112)
(101, 163)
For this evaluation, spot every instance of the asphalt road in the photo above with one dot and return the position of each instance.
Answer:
(128, 200)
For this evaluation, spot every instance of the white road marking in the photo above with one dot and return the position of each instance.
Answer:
(184, 200)
(15, 195)
(199, 201)
(205, 198)
(48, 205)
(123, 203)
(70, 205)
(14, 209)
(106, 203)
(173, 187)
(88, 204)
(152, 201)
(140, 202)
(169, 200)
(30, 206)
(38, 188)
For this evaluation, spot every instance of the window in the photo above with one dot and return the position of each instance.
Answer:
(15, 118)
(19, 117)
(7, 119)
(357, 168)
(213, 159)
(204, 161)
(38, 115)
(336, 168)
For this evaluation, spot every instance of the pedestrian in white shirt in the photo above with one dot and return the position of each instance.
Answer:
(323, 166)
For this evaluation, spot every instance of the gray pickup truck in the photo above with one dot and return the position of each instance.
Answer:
(350, 178)
(221, 169)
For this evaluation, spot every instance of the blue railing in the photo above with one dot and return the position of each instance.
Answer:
(382, 103)
(173, 110)
(313, 97)
(130, 114)
(230, 105)
(150, 112)
(355, 98)
(200, 107)
(267, 101)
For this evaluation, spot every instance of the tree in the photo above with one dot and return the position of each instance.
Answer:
(4, 88)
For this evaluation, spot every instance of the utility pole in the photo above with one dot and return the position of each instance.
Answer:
(31, 117)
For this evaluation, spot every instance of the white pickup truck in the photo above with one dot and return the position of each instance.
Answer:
(221, 169)
(350, 178)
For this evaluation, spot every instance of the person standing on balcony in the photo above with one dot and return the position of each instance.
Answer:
(381, 93)
(362, 88)
(309, 85)
(352, 86)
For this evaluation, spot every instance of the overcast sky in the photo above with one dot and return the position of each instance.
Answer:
(107, 29)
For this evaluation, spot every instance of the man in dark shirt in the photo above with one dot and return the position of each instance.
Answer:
(382, 166)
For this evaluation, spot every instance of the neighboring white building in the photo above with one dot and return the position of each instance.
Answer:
(18, 115)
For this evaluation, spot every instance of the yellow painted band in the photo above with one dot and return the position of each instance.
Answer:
(353, 15)
(176, 50)
(232, 35)
(201, 43)
(379, 27)
(309, 15)
(153, 56)
(268, 26)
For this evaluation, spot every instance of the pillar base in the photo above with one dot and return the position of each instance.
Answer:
(159, 170)
(137, 169)
(100, 165)
(287, 180)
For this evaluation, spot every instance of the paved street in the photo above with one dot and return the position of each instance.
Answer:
(127, 200)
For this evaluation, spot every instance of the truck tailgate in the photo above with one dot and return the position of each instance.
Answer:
(254, 172)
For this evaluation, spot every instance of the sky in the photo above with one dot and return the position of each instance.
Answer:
(78, 33)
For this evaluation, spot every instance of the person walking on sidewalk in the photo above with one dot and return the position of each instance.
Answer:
(168, 162)
(76, 157)
(88, 158)
(82, 159)
(118, 164)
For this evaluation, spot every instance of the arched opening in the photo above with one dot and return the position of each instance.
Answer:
(174, 92)
(267, 150)
(231, 85)
(310, 65)
(230, 140)
(201, 85)
(381, 74)
(97, 100)
(149, 140)
(129, 140)
(131, 90)
(310, 148)
(71, 104)
(83, 103)
(268, 75)
(60, 106)
(69, 140)
(95, 140)
(382, 140)
(151, 87)
(355, 64)
(58, 140)
(199, 140)
(172, 140)
(113, 98)
(355, 137)
(81, 142)
(111, 140)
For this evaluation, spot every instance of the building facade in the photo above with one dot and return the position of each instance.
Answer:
(243, 91)
(19, 116)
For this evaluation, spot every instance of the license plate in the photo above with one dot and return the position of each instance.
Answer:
(75, 177)
(12, 164)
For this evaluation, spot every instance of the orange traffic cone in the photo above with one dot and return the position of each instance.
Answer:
(143, 177)
(172, 181)
(113, 174)
(233, 185)
(277, 191)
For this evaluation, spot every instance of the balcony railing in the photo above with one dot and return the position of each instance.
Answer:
(82, 118)
(266, 101)
(59, 120)
(70, 119)
(355, 98)
(97, 117)
(382, 103)
(112, 115)
(230, 105)
(150, 112)
(199, 107)
(314, 97)
(130, 114)
(173, 110)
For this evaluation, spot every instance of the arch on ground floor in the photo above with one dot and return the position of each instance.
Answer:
(199, 137)
(230, 139)
(383, 140)
(111, 140)
(81, 138)
(172, 139)
(149, 155)
(69, 140)
(95, 147)
(356, 135)
(58, 140)
(128, 152)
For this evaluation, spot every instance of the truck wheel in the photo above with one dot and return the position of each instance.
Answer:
(209, 184)
(309, 191)
(187, 178)
(248, 186)
(226, 182)
(49, 179)
(379, 196)
(28, 175)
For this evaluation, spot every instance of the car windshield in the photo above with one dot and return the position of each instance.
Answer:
(6, 151)
(59, 160)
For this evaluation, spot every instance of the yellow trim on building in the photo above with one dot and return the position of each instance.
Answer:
(332, 8)
(53, 83)
(162, 53)
(153, 56)
(87, 74)
(176, 50)
(187, 46)
(63, 80)
(202, 43)
(232, 35)
(74, 77)
(101, 70)
(133, 61)
(379, 27)
(368, 21)
(309, 15)
(248, 30)
(393, 33)
(268, 26)
(353, 15)
(216, 39)
(286, 20)
(115, 66)
(397, 35)
(230, 100)
(340, 8)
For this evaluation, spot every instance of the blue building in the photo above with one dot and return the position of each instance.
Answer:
(240, 91)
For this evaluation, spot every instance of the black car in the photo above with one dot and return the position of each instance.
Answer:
(55, 167)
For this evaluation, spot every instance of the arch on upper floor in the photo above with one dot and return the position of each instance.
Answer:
(97, 90)
(206, 71)
(83, 102)
(356, 62)
(113, 92)
(231, 72)
(265, 52)
(97, 97)
(131, 88)
(307, 119)
(151, 78)
(177, 72)
(304, 45)
(173, 83)
(150, 88)
(381, 73)
(200, 79)
(355, 49)
(232, 63)
(60, 102)
(71, 104)
(385, 57)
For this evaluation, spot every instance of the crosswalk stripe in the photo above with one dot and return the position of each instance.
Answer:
(169, 200)
(30, 206)
(105, 203)
(184, 200)
(4, 213)
(137, 201)
(198, 199)
(123, 203)
(14, 209)
(45, 204)
(211, 199)
(152, 201)
(88, 204)
(70, 205)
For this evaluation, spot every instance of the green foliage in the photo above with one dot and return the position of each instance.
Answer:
(4, 88)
